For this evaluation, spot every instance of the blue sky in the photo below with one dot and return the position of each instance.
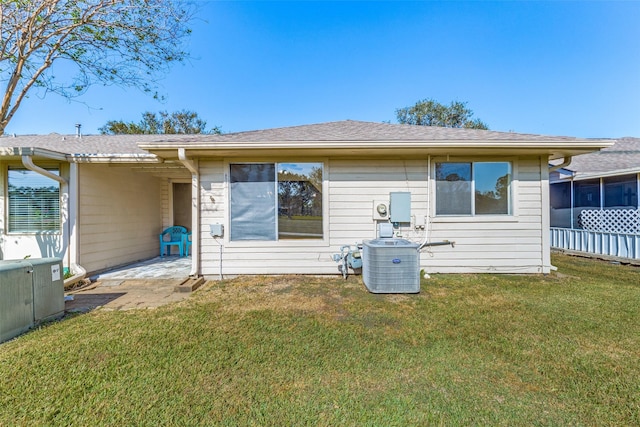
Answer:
(555, 68)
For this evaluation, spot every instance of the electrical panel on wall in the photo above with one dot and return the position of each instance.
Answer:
(380, 210)
(216, 230)
(400, 207)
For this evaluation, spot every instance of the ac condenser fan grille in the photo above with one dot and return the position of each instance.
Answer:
(391, 266)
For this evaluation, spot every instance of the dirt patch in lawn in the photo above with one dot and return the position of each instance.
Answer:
(283, 293)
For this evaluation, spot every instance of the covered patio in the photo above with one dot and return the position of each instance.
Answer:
(167, 267)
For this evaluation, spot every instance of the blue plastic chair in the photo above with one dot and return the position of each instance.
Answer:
(175, 235)
(186, 243)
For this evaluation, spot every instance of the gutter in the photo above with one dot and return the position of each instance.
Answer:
(195, 221)
(115, 158)
(553, 144)
(566, 162)
(589, 175)
(27, 161)
(79, 274)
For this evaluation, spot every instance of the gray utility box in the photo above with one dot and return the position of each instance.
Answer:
(48, 289)
(16, 298)
(31, 291)
(400, 206)
(391, 266)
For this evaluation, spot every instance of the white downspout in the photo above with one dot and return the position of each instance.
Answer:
(428, 217)
(545, 220)
(195, 210)
(27, 161)
(566, 162)
(72, 210)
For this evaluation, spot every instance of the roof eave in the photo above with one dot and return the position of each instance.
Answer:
(35, 152)
(114, 158)
(42, 153)
(579, 176)
(553, 149)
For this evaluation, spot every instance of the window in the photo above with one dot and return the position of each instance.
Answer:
(620, 191)
(587, 193)
(274, 201)
(34, 201)
(560, 199)
(473, 188)
(560, 195)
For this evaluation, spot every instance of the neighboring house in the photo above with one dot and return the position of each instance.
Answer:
(286, 198)
(594, 201)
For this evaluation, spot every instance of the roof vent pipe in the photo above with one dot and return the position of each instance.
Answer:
(78, 133)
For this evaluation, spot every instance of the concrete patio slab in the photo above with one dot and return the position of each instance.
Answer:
(142, 285)
(168, 267)
(127, 295)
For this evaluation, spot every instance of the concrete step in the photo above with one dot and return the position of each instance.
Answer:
(190, 284)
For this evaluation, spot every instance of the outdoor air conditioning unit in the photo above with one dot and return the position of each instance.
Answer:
(16, 298)
(391, 266)
(31, 292)
(48, 289)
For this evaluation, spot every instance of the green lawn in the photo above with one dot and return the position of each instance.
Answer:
(301, 226)
(468, 350)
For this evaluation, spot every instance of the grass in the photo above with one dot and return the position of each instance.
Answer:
(562, 349)
(300, 225)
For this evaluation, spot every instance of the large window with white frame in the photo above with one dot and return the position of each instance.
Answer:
(275, 201)
(473, 188)
(33, 201)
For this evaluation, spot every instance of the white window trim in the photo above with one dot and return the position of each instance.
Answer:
(19, 166)
(170, 183)
(324, 242)
(513, 216)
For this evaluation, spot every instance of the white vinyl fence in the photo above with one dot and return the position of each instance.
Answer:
(605, 232)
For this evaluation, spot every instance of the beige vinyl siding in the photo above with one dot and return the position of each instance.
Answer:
(353, 187)
(165, 203)
(510, 243)
(213, 206)
(119, 216)
(249, 257)
(349, 190)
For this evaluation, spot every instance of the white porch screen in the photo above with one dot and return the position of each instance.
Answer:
(253, 201)
(33, 203)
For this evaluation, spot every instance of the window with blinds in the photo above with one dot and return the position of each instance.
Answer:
(34, 201)
(276, 201)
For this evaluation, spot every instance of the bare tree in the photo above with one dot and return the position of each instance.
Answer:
(112, 42)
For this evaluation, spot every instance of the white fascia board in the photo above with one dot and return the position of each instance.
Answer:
(114, 158)
(554, 149)
(554, 145)
(32, 152)
(579, 176)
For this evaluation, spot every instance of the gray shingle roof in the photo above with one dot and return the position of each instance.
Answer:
(347, 131)
(350, 130)
(624, 155)
(87, 144)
